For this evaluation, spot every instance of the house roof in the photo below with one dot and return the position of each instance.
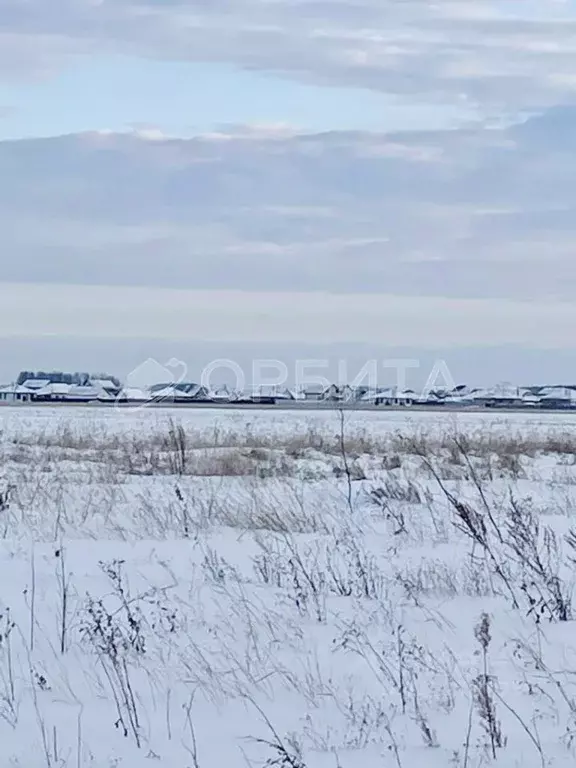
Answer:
(104, 384)
(463, 399)
(133, 393)
(376, 394)
(16, 389)
(287, 394)
(86, 392)
(292, 394)
(530, 399)
(263, 391)
(558, 393)
(180, 386)
(36, 383)
(91, 391)
(54, 388)
(314, 389)
(223, 393)
(390, 393)
(338, 392)
(500, 392)
(187, 392)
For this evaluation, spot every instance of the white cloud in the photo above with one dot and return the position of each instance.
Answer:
(501, 56)
(280, 317)
(252, 132)
(470, 213)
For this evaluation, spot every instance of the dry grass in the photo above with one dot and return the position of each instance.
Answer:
(264, 556)
(169, 438)
(67, 469)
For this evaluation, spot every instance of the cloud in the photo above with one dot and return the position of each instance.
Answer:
(466, 213)
(94, 312)
(500, 55)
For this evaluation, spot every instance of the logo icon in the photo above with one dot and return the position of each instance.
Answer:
(151, 382)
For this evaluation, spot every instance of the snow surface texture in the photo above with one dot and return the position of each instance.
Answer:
(222, 588)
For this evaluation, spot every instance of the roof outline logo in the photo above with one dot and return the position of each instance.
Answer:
(137, 389)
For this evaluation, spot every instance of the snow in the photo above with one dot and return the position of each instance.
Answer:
(218, 587)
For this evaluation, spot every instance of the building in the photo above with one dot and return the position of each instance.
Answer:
(51, 392)
(314, 392)
(178, 392)
(44, 387)
(338, 393)
(266, 395)
(558, 398)
(501, 396)
(132, 395)
(392, 396)
(223, 395)
(15, 393)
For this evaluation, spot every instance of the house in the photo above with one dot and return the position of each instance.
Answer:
(338, 393)
(132, 395)
(314, 392)
(503, 395)
(557, 397)
(178, 392)
(405, 397)
(392, 396)
(15, 393)
(378, 397)
(433, 397)
(70, 387)
(263, 395)
(267, 394)
(52, 392)
(223, 395)
(162, 393)
(285, 394)
(529, 400)
(36, 384)
(61, 377)
(459, 401)
(108, 386)
(358, 392)
(91, 392)
(460, 396)
(333, 393)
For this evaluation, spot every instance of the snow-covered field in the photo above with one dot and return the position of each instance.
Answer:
(220, 588)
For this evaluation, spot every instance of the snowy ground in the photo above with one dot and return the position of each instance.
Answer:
(251, 588)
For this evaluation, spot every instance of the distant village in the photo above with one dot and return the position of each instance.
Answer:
(77, 388)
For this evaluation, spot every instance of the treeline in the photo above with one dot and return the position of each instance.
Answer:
(60, 377)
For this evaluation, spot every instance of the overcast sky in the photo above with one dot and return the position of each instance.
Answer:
(356, 179)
